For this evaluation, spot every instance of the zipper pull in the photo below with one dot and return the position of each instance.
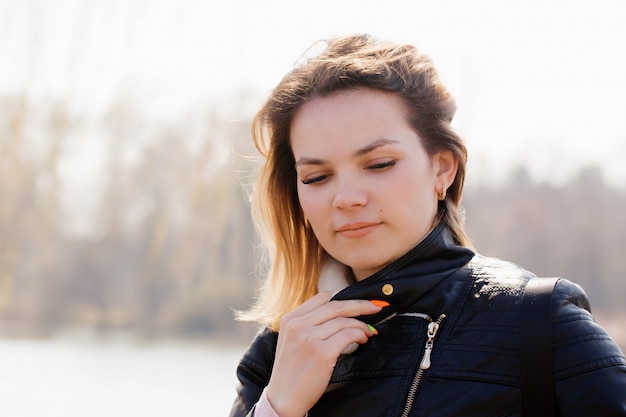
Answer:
(431, 333)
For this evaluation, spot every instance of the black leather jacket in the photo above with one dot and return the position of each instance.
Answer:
(474, 354)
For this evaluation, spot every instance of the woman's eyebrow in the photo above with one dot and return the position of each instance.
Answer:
(310, 161)
(359, 152)
(374, 145)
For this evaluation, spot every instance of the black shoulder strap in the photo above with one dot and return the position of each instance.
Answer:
(536, 348)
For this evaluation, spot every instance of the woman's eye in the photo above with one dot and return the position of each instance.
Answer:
(313, 180)
(381, 165)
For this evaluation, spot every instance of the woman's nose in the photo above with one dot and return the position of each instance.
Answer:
(349, 194)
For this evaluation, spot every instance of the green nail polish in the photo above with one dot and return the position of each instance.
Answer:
(372, 328)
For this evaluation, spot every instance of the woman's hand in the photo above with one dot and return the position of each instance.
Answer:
(311, 339)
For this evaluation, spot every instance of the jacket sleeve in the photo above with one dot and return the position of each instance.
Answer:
(589, 367)
(254, 372)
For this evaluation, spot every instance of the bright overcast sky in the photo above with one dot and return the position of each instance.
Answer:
(538, 82)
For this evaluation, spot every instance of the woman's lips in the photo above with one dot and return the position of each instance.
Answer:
(357, 229)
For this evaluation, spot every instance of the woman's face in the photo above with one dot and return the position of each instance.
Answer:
(365, 182)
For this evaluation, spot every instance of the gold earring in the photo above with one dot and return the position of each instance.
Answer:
(441, 195)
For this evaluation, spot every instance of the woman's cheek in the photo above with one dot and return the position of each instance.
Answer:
(302, 197)
(307, 203)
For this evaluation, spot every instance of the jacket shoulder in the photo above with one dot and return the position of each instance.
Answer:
(484, 325)
(489, 322)
(260, 355)
(579, 343)
(254, 371)
(495, 280)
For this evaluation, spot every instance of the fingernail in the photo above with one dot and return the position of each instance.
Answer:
(380, 303)
(372, 328)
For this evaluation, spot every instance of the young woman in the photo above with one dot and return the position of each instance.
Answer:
(375, 303)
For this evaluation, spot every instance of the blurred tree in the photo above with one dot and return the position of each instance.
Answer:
(571, 231)
(171, 248)
(30, 214)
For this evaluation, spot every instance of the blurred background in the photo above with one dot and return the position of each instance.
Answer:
(125, 161)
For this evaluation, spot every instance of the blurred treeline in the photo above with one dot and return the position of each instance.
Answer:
(168, 248)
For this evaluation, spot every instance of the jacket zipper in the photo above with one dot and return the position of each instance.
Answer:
(431, 332)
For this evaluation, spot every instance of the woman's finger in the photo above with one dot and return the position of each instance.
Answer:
(347, 308)
(326, 330)
(311, 304)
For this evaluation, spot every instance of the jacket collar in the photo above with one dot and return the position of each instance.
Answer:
(407, 282)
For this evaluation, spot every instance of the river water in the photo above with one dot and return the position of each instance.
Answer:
(85, 377)
(70, 378)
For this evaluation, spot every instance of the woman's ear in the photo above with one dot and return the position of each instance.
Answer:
(445, 165)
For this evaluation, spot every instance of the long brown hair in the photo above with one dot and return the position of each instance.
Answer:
(295, 255)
